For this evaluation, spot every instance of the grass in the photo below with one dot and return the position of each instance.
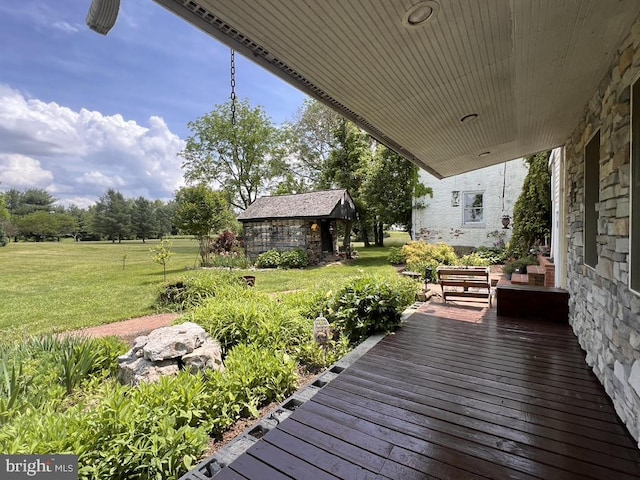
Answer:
(54, 287)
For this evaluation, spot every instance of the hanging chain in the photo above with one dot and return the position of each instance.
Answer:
(233, 87)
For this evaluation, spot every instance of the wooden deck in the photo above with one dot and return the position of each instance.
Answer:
(454, 394)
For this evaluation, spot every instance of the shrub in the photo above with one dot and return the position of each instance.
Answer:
(421, 255)
(235, 259)
(240, 315)
(294, 259)
(494, 255)
(270, 259)
(155, 430)
(396, 257)
(314, 358)
(367, 305)
(193, 290)
(226, 242)
(473, 259)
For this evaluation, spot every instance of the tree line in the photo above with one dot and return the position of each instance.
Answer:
(33, 214)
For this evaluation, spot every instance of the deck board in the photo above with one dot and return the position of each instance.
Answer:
(455, 393)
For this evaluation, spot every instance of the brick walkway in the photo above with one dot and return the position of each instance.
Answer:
(130, 329)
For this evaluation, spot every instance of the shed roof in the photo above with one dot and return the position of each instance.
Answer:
(302, 205)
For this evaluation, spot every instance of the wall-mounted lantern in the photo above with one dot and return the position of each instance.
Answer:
(506, 220)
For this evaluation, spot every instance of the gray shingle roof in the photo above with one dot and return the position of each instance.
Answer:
(312, 205)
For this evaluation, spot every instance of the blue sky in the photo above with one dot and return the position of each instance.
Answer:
(81, 112)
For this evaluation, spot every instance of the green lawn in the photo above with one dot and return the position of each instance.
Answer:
(53, 287)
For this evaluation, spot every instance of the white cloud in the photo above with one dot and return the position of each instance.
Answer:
(79, 154)
(21, 172)
(100, 179)
(65, 27)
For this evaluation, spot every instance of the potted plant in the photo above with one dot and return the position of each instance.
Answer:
(509, 268)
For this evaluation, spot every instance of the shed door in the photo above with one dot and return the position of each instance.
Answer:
(326, 236)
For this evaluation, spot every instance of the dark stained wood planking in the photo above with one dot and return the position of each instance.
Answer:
(454, 394)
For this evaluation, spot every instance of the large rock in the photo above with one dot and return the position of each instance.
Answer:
(208, 356)
(168, 349)
(173, 342)
(135, 370)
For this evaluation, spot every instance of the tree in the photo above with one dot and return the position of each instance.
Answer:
(143, 219)
(161, 254)
(29, 201)
(202, 212)
(42, 225)
(112, 216)
(312, 139)
(163, 215)
(4, 217)
(389, 190)
(346, 167)
(532, 210)
(83, 221)
(242, 158)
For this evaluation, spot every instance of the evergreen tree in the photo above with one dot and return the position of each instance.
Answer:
(389, 190)
(532, 210)
(112, 216)
(143, 219)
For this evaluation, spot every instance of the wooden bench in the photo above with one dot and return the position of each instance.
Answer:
(465, 282)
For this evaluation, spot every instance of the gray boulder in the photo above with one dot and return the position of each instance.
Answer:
(166, 350)
(208, 356)
(174, 342)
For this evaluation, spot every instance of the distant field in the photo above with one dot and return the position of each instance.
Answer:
(53, 287)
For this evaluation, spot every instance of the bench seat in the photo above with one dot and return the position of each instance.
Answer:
(465, 282)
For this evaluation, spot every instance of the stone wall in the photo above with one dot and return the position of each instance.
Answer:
(441, 220)
(281, 235)
(604, 313)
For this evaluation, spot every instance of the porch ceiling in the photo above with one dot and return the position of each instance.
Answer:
(527, 68)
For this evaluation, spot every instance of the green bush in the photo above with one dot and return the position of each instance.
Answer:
(294, 259)
(494, 255)
(235, 259)
(367, 305)
(396, 257)
(276, 259)
(155, 430)
(421, 255)
(240, 315)
(46, 369)
(270, 259)
(314, 358)
(474, 260)
(191, 291)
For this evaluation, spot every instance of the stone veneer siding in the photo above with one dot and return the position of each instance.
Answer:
(604, 313)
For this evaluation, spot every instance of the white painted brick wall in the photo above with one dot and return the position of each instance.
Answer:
(442, 222)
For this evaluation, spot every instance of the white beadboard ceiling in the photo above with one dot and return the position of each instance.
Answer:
(526, 67)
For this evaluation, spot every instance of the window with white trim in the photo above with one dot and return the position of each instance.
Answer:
(473, 211)
(634, 220)
(591, 199)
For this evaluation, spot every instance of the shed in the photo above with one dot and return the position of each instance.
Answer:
(306, 221)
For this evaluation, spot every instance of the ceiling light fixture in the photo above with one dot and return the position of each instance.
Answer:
(484, 154)
(420, 13)
(469, 118)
